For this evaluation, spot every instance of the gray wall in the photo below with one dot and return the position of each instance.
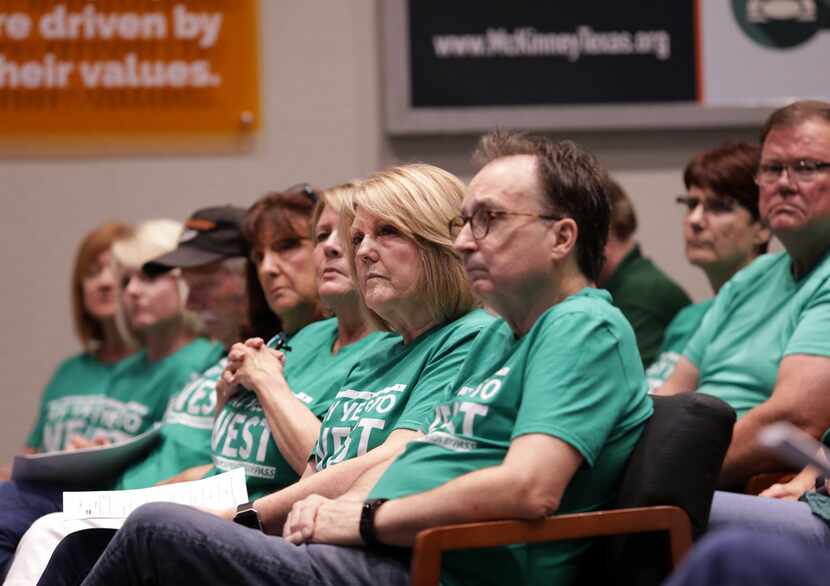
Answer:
(322, 106)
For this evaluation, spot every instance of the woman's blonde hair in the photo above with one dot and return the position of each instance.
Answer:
(150, 240)
(419, 200)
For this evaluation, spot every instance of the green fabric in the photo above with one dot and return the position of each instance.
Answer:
(819, 504)
(395, 389)
(576, 376)
(242, 437)
(760, 316)
(139, 390)
(648, 298)
(680, 331)
(185, 434)
(65, 405)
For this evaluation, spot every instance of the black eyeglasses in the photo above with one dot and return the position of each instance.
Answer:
(306, 189)
(711, 205)
(482, 218)
(801, 171)
(280, 342)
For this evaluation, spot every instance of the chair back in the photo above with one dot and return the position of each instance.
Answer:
(676, 462)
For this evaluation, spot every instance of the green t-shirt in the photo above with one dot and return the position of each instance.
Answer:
(242, 437)
(185, 434)
(396, 388)
(760, 316)
(139, 390)
(65, 408)
(648, 298)
(576, 375)
(680, 331)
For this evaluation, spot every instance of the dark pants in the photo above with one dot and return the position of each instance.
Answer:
(740, 557)
(21, 504)
(75, 556)
(162, 543)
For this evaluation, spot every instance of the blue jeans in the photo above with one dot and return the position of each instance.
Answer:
(163, 543)
(768, 516)
(21, 504)
(741, 558)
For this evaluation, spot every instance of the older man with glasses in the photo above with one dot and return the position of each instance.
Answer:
(764, 346)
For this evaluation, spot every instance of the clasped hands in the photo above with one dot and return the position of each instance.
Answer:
(249, 364)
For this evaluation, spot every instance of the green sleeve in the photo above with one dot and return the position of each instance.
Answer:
(812, 334)
(647, 328)
(717, 314)
(442, 368)
(578, 391)
(35, 439)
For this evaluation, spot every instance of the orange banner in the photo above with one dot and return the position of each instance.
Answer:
(125, 67)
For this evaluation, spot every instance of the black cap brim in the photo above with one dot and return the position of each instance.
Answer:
(183, 257)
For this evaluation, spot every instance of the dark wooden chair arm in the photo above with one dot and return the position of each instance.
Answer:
(431, 543)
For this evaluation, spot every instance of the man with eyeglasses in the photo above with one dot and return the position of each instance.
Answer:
(764, 346)
(648, 298)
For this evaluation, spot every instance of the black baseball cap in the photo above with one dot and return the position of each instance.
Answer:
(210, 235)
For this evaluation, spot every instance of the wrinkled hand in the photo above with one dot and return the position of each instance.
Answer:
(251, 363)
(787, 491)
(79, 442)
(317, 519)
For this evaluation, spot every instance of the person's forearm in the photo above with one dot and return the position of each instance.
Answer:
(363, 485)
(293, 427)
(194, 473)
(745, 458)
(488, 494)
(332, 482)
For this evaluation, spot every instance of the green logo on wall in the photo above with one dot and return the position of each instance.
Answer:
(780, 24)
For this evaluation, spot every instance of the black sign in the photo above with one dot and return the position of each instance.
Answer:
(495, 53)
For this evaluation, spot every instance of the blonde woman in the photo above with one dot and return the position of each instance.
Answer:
(152, 310)
(413, 283)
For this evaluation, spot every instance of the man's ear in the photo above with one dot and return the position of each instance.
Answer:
(565, 233)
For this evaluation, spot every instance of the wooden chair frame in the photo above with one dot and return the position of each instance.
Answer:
(430, 544)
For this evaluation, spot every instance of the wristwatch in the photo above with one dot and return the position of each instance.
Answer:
(247, 516)
(367, 523)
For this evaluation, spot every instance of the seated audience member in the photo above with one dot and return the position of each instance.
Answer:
(212, 261)
(723, 234)
(411, 281)
(152, 309)
(744, 558)
(648, 298)
(763, 346)
(279, 415)
(281, 407)
(94, 303)
(555, 386)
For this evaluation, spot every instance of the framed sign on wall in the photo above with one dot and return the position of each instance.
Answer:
(127, 74)
(470, 65)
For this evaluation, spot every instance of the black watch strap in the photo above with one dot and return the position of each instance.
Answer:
(367, 523)
(247, 516)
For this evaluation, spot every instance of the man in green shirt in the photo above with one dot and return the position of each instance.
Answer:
(541, 417)
(648, 298)
(764, 346)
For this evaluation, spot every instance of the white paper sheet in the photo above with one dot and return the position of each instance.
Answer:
(216, 492)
